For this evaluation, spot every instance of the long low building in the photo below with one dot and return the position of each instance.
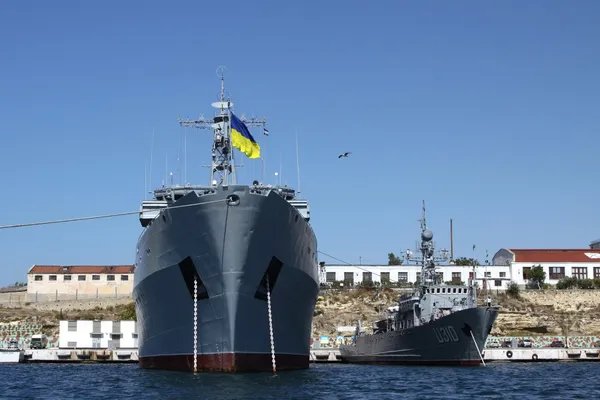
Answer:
(496, 277)
(74, 282)
(508, 265)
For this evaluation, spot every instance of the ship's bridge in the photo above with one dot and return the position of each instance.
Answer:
(445, 299)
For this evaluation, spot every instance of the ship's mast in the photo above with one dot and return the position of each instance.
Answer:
(428, 258)
(223, 167)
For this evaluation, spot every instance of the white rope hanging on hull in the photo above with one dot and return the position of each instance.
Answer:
(195, 325)
(271, 327)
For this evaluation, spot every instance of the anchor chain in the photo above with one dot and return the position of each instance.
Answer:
(195, 325)
(271, 327)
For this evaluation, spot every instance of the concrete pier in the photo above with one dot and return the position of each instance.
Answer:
(130, 355)
(321, 355)
(540, 354)
(325, 355)
(80, 355)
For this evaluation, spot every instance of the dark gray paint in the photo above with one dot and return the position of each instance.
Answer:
(231, 247)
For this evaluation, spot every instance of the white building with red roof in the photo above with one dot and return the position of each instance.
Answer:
(78, 282)
(557, 263)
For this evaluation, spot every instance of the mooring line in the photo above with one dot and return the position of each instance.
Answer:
(477, 347)
(62, 221)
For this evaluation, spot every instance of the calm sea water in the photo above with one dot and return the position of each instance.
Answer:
(321, 381)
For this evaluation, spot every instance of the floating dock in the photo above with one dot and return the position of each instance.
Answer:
(80, 355)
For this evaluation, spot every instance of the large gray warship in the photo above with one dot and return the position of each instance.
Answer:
(227, 274)
(437, 324)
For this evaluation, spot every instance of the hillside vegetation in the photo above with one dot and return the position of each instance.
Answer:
(528, 313)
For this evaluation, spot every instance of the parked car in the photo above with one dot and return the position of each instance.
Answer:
(557, 343)
(526, 343)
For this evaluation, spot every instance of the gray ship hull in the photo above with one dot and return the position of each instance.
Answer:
(446, 341)
(228, 249)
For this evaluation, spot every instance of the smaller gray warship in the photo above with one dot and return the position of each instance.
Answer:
(437, 324)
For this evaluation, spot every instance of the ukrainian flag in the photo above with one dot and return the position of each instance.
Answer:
(242, 139)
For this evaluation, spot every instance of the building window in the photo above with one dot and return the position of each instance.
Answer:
(330, 277)
(349, 277)
(557, 272)
(385, 277)
(402, 276)
(502, 274)
(52, 277)
(456, 277)
(367, 277)
(95, 277)
(124, 277)
(71, 326)
(110, 277)
(67, 278)
(596, 272)
(471, 275)
(497, 283)
(81, 277)
(579, 272)
(526, 272)
(488, 274)
(38, 277)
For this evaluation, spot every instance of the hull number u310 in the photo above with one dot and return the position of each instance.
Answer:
(445, 334)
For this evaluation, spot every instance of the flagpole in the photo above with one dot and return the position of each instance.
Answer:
(264, 161)
(263, 158)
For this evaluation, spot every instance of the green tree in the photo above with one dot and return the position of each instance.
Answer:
(128, 312)
(393, 260)
(536, 276)
(513, 290)
(466, 261)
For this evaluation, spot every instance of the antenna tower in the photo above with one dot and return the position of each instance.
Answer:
(427, 259)
(223, 167)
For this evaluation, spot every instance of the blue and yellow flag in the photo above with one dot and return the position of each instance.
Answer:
(242, 139)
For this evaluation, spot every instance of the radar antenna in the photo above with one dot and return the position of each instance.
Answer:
(427, 258)
(223, 167)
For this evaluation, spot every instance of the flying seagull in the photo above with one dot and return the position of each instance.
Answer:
(344, 155)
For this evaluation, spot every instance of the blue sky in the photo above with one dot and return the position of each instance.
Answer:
(487, 110)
